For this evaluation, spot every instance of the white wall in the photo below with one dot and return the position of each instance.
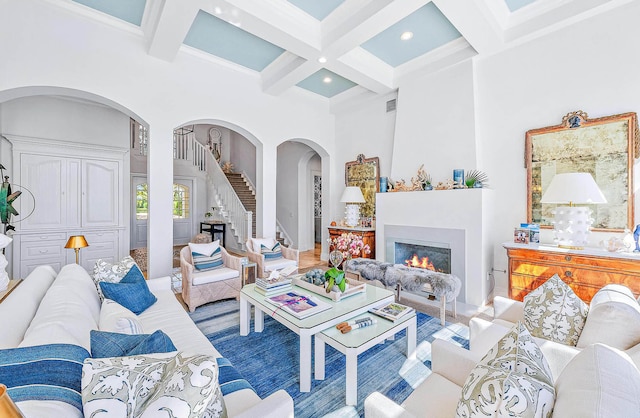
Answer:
(591, 66)
(243, 156)
(54, 47)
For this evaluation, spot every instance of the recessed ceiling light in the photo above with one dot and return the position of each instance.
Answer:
(406, 35)
(322, 60)
(327, 79)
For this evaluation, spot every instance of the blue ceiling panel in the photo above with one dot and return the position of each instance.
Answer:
(128, 10)
(227, 41)
(315, 83)
(514, 5)
(317, 8)
(431, 29)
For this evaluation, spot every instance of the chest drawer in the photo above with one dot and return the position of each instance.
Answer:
(43, 248)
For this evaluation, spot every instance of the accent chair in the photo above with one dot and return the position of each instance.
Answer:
(270, 255)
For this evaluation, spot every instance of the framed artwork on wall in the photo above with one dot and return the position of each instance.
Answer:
(604, 147)
(364, 173)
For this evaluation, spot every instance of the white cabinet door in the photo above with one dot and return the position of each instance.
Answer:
(54, 182)
(100, 193)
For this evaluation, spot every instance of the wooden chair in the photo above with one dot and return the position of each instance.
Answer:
(200, 287)
(290, 257)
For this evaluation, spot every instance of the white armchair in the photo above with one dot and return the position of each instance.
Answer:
(203, 287)
(290, 256)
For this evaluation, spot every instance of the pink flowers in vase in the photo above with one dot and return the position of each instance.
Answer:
(350, 245)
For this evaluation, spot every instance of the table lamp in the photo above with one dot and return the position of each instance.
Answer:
(352, 196)
(572, 223)
(76, 242)
(8, 409)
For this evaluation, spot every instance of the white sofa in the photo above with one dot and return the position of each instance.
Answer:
(48, 308)
(615, 322)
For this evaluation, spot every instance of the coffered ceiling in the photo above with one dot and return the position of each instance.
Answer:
(336, 49)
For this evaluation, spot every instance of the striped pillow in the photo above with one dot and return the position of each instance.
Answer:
(271, 253)
(204, 262)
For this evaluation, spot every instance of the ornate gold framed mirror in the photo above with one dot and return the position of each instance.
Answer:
(365, 173)
(604, 147)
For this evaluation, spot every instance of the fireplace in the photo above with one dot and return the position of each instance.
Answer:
(436, 258)
(445, 248)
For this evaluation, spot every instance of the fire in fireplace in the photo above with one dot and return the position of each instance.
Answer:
(423, 256)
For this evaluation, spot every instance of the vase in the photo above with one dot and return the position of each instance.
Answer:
(336, 258)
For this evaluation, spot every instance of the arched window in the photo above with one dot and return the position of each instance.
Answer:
(180, 201)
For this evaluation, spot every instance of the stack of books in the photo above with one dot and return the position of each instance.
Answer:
(272, 287)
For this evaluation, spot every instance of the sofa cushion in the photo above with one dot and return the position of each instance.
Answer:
(212, 276)
(67, 312)
(112, 344)
(614, 319)
(600, 381)
(104, 271)
(554, 312)
(206, 256)
(278, 263)
(512, 379)
(131, 292)
(116, 318)
(257, 243)
(271, 253)
(177, 386)
(46, 372)
(22, 304)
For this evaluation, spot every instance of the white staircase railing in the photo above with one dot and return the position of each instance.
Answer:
(186, 147)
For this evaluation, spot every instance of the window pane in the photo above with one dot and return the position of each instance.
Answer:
(142, 201)
(180, 201)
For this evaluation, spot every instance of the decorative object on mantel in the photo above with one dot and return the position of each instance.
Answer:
(476, 179)
(458, 178)
(604, 147)
(445, 185)
(352, 196)
(364, 173)
(572, 223)
(227, 167)
(422, 180)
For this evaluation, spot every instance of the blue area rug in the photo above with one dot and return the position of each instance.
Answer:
(270, 360)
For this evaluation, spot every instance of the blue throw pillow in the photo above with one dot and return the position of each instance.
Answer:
(271, 253)
(112, 344)
(44, 372)
(131, 292)
(204, 262)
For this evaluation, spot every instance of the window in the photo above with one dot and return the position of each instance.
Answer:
(180, 201)
(142, 201)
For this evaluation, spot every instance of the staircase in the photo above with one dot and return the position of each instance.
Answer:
(246, 195)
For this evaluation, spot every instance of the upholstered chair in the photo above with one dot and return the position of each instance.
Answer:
(268, 256)
(200, 287)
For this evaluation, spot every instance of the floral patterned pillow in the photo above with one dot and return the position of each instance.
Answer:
(104, 271)
(512, 379)
(554, 312)
(141, 386)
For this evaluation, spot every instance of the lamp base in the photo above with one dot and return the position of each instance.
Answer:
(571, 226)
(352, 215)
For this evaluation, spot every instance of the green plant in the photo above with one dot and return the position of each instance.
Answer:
(210, 214)
(476, 178)
(335, 277)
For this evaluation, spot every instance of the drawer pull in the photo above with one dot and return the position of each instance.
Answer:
(44, 251)
(567, 258)
(567, 274)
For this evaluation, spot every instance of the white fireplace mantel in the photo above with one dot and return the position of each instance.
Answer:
(465, 210)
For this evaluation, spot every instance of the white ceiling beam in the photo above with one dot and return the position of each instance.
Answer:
(470, 21)
(173, 24)
(450, 54)
(366, 69)
(286, 71)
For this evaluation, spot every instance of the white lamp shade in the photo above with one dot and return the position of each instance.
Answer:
(352, 194)
(573, 188)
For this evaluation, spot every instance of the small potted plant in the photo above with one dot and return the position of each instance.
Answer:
(209, 214)
(335, 277)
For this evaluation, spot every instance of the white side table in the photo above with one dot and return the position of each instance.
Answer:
(358, 341)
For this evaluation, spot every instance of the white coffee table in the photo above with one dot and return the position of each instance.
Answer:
(312, 325)
(357, 342)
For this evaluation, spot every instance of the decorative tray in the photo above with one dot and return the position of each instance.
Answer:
(355, 287)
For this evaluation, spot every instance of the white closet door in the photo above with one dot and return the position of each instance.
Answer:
(100, 193)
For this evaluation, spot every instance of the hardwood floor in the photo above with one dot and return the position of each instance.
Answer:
(310, 258)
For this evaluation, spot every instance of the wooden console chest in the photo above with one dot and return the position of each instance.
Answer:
(368, 237)
(586, 271)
